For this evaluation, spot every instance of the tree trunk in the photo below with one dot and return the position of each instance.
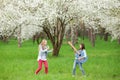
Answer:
(92, 37)
(56, 49)
(19, 42)
(86, 32)
(19, 37)
(72, 35)
(56, 37)
(68, 34)
(82, 25)
(76, 35)
(106, 36)
(102, 32)
(83, 31)
(89, 34)
(5, 39)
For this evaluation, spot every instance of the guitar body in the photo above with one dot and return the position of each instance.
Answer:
(80, 55)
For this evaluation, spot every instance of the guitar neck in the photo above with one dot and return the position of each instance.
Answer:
(72, 46)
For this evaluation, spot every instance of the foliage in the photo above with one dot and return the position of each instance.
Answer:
(32, 14)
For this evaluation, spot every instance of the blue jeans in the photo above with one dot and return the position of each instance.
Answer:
(80, 66)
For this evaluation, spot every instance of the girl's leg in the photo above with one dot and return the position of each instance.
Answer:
(39, 67)
(46, 66)
(74, 67)
(81, 68)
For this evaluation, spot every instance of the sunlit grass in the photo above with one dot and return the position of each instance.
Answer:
(21, 63)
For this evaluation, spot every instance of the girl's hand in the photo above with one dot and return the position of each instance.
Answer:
(48, 47)
(79, 58)
(52, 49)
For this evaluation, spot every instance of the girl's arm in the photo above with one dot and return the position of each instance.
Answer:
(81, 58)
(49, 51)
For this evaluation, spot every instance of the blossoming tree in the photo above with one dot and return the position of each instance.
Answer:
(23, 18)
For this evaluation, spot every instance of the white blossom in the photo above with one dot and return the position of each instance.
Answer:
(30, 14)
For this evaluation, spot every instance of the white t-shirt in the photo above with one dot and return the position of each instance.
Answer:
(42, 53)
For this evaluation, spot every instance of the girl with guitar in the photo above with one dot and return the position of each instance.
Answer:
(80, 58)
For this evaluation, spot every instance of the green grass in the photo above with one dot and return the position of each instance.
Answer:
(20, 63)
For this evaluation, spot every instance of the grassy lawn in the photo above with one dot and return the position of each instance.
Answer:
(20, 63)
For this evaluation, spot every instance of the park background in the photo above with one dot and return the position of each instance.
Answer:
(24, 23)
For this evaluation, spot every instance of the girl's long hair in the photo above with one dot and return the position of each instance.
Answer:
(82, 46)
(42, 42)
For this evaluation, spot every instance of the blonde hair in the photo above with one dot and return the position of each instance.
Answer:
(43, 41)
